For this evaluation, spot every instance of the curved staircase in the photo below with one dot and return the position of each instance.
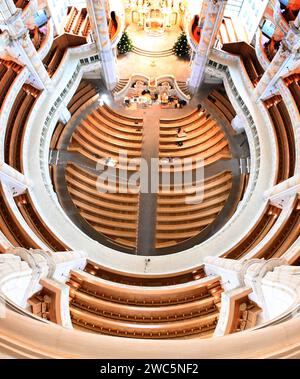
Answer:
(184, 87)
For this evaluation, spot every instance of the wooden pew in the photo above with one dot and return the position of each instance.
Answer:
(109, 212)
(152, 280)
(179, 220)
(17, 125)
(256, 234)
(284, 238)
(11, 228)
(131, 311)
(284, 137)
(33, 219)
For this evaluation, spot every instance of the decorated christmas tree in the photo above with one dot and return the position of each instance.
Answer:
(125, 45)
(181, 47)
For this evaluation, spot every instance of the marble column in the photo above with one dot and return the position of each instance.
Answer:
(285, 60)
(97, 14)
(64, 115)
(212, 12)
(16, 181)
(21, 47)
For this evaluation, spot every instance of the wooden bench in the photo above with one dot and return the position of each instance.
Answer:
(16, 125)
(284, 136)
(179, 220)
(112, 214)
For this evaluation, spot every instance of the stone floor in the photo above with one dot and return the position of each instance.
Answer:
(137, 64)
(143, 40)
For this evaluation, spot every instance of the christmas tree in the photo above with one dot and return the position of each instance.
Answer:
(181, 47)
(125, 45)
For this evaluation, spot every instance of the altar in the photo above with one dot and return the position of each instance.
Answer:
(154, 16)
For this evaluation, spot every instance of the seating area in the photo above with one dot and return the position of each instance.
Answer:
(245, 315)
(161, 312)
(293, 83)
(38, 226)
(115, 276)
(104, 134)
(248, 56)
(256, 234)
(78, 23)
(84, 93)
(288, 233)
(200, 207)
(10, 227)
(219, 99)
(112, 214)
(202, 138)
(284, 135)
(9, 71)
(16, 125)
(59, 48)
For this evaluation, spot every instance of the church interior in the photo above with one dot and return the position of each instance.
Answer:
(149, 179)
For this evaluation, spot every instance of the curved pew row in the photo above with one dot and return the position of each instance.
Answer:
(9, 71)
(104, 206)
(278, 244)
(130, 311)
(104, 134)
(84, 93)
(196, 137)
(182, 215)
(250, 61)
(10, 227)
(59, 48)
(78, 23)
(284, 136)
(151, 280)
(222, 103)
(33, 219)
(16, 125)
(285, 237)
(293, 83)
(15, 233)
(256, 234)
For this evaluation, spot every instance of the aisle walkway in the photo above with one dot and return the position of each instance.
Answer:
(148, 201)
(146, 230)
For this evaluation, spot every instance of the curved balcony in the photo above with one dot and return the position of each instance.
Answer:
(193, 33)
(260, 50)
(115, 30)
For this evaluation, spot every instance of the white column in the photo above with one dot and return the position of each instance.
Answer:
(64, 115)
(97, 14)
(7, 9)
(20, 45)
(285, 60)
(213, 10)
(16, 181)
